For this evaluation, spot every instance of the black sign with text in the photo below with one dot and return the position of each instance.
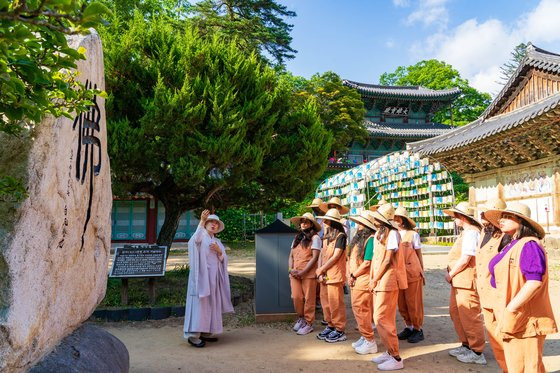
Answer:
(139, 261)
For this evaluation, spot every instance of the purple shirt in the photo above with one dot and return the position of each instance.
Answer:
(532, 261)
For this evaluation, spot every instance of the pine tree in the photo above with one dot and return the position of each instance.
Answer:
(508, 68)
(197, 122)
(255, 24)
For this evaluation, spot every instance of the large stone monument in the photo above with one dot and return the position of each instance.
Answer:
(54, 245)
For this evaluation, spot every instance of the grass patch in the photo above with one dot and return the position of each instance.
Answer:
(171, 290)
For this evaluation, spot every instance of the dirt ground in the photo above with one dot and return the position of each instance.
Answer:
(158, 346)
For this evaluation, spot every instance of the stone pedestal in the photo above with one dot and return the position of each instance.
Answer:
(54, 246)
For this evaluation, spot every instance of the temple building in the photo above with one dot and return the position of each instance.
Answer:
(397, 115)
(512, 150)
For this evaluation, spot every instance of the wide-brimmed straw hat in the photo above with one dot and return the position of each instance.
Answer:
(296, 220)
(333, 215)
(401, 211)
(463, 209)
(365, 218)
(521, 210)
(316, 203)
(492, 204)
(334, 201)
(385, 214)
(379, 204)
(216, 218)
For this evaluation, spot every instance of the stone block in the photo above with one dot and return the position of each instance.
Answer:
(54, 245)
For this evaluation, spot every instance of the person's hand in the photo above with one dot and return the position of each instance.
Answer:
(204, 216)
(352, 282)
(448, 278)
(319, 272)
(215, 247)
(295, 273)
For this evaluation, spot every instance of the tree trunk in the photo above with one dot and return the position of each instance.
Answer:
(172, 215)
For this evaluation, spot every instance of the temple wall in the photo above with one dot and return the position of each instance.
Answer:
(536, 184)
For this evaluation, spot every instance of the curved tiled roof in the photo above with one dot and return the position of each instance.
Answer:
(535, 57)
(483, 128)
(407, 129)
(406, 92)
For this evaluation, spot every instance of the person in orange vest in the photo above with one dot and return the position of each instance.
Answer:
(332, 274)
(302, 266)
(493, 241)
(361, 254)
(314, 206)
(519, 273)
(335, 203)
(411, 303)
(464, 303)
(387, 276)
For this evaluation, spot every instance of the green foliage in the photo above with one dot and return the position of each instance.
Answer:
(460, 188)
(340, 107)
(171, 290)
(435, 74)
(196, 122)
(508, 68)
(34, 54)
(256, 25)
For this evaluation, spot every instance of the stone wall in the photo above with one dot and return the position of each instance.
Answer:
(54, 253)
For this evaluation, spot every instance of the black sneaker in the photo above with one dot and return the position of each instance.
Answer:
(323, 335)
(336, 336)
(404, 334)
(324, 322)
(417, 336)
(194, 342)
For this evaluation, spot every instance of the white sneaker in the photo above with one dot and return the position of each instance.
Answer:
(299, 323)
(305, 329)
(391, 364)
(366, 347)
(458, 351)
(358, 342)
(472, 358)
(381, 358)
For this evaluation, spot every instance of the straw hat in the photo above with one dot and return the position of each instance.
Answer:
(463, 209)
(518, 209)
(379, 204)
(492, 204)
(401, 211)
(334, 201)
(385, 214)
(316, 203)
(365, 218)
(333, 215)
(217, 220)
(296, 220)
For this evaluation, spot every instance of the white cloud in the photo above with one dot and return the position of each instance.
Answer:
(430, 12)
(543, 23)
(401, 3)
(478, 49)
(390, 43)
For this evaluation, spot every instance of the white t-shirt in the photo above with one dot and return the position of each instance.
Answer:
(470, 242)
(393, 240)
(415, 239)
(316, 243)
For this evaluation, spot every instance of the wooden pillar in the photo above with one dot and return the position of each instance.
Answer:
(472, 196)
(501, 194)
(556, 197)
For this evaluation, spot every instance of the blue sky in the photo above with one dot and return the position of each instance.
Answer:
(361, 39)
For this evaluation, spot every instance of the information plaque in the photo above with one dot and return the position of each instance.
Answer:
(139, 261)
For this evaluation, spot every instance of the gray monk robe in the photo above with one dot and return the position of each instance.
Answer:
(208, 293)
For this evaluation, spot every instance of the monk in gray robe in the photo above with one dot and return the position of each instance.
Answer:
(208, 293)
